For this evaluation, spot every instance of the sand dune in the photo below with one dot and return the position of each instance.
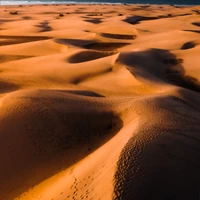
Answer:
(99, 102)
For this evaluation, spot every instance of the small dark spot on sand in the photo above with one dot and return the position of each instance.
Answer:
(14, 12)
(61, 15)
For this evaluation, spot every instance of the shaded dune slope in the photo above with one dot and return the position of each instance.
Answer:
(48, 141)
(164, 153)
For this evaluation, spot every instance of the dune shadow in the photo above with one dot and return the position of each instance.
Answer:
(136, 19)
(159, 65)
(10, 40)
(93, 44)
(6, 87)
(184, 81)
(194, 31)
(188, 45)
(196, 24)
(68, 126)
(180, 78)
(106, 46)
(94, 21)
(86, 93)
(14, 12)
(161, 162)
(74, 42)
(196, 11)
(86, 56)
(44, 26)
(94, 14)
(118, 36)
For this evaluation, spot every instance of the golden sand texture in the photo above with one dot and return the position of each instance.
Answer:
(99, 102)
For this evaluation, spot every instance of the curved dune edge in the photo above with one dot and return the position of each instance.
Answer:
(99, 102)
(91, 183)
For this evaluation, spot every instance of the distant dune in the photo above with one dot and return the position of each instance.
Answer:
(99, 102)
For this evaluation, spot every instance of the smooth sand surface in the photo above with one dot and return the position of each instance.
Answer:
(99, 102)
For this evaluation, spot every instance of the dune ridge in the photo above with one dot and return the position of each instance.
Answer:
(99, 102)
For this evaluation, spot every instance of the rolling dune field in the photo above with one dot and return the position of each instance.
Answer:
(99, 102)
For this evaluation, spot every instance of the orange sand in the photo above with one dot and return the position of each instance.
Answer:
(101, 103)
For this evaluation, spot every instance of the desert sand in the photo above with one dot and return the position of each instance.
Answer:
(99, 102)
